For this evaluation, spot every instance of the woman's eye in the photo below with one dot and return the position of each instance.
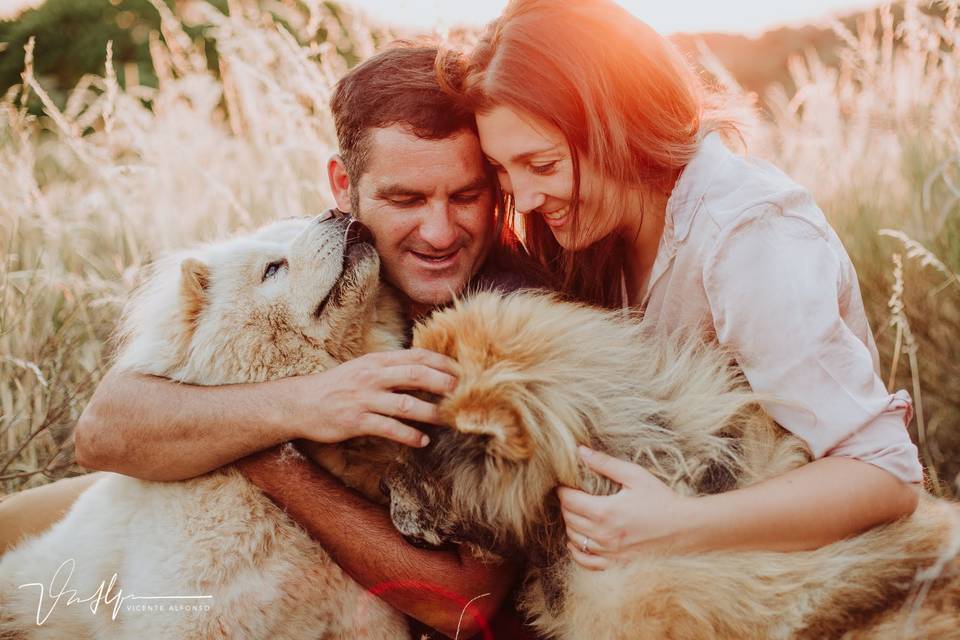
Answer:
(273, 268)
(544, 169)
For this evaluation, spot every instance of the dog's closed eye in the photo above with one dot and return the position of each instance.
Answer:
(273, 268)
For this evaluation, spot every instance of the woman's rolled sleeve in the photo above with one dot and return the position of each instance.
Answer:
(773, 282)
(881, 441)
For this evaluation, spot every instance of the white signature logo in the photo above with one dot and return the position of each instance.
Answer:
(59, 590)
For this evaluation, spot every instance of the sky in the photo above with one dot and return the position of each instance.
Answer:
(666, 16)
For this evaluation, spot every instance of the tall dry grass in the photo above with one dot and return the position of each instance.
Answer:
(91, 192)
(878, 141)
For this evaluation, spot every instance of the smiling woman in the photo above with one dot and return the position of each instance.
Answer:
(616, 159)
(579, 105)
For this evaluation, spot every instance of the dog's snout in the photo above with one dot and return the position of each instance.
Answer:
(420, 543)
(329, 214)
(356, 233)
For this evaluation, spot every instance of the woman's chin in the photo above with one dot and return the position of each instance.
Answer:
(570, 242)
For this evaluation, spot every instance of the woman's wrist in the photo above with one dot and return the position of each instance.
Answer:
(695, 525)
(721, 522)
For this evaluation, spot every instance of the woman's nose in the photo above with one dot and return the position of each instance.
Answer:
(525, 197)
(526, 203)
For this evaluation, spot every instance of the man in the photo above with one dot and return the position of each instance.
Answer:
(411, 169)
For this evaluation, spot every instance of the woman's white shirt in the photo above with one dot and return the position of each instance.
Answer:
(746, 255)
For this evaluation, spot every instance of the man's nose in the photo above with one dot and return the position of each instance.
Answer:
(438, 228)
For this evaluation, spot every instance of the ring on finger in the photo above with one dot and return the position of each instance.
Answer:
(585, 546)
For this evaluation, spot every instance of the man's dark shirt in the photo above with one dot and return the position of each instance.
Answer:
(509, 268)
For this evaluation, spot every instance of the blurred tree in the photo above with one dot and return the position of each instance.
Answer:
(72, 38)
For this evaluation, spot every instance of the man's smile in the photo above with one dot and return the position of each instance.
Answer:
(437, 261)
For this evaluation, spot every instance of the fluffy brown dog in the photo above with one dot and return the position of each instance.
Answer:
(539, 377)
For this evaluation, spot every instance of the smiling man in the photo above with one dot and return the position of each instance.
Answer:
(410, 168)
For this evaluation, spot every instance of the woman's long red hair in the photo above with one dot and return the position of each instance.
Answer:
(624, 98)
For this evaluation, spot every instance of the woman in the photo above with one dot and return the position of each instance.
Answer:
(625, 190)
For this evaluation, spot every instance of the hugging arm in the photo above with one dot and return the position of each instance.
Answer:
(776, 285)
(155, 429)
(806, 508)
(431, 586)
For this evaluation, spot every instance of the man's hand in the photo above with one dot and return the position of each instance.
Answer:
(365, 397)
(156, 429)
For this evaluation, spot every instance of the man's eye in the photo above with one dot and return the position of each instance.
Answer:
(273, 268)
(467, 198)
(405, 202)
(544, 169)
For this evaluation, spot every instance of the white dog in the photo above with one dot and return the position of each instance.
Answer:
(293, 298)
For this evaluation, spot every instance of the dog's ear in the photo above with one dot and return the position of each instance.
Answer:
(194, 281)
(489, 413)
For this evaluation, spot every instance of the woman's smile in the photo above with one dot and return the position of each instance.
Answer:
(556, 219)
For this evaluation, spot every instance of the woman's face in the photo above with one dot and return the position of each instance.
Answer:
(533, 163)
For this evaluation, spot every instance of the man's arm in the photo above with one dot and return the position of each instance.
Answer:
(156, 429)
(367, 546)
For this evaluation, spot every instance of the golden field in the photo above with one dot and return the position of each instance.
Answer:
(100, 184)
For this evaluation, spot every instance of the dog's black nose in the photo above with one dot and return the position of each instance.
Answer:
(329, 214)
(356, 233)
(420, 543)
(384, 488)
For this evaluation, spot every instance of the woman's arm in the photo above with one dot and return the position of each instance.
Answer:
(813, 505)
(816, 504)
(360, 537)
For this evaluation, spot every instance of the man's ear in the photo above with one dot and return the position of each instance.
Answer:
(339, 182)
(194, 282)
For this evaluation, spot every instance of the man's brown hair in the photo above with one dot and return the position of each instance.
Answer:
(396, 86)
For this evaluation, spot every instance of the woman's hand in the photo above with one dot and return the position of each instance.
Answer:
(818, 503)
(645, 514)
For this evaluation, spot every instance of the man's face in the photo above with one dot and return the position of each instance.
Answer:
(429, 205)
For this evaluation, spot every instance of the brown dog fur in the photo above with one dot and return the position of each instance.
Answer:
(539, 377)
